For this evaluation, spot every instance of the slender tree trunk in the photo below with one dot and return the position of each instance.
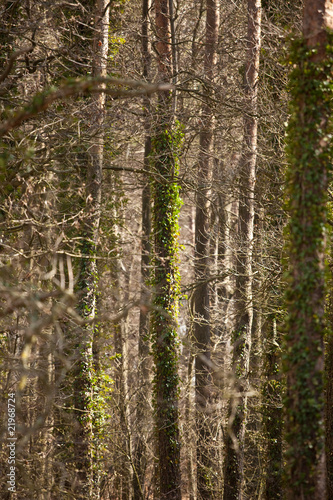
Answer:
(142, 410)
(88, 279)
(201, 299)
(272, 412)
(123, 454)
(309, 155)
(189, 430)
(174, 53)
(329, 387)
(329, 409)
(166, 205)
(234, 462)
(254, 442)
(46, 387)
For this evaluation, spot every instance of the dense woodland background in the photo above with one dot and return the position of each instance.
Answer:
(165, 217)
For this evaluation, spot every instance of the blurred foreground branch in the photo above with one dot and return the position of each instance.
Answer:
(121, 87)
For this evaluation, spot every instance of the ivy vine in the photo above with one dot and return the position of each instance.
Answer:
(166, 279)
(309, 155)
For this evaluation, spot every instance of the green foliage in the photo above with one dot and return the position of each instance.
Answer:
(167, 204)
(115, 43)
(309, 153)
(102, 386)
(166, 280)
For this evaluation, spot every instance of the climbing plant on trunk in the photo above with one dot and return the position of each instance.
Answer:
(309, 154)
(86, 371)
(165, 210)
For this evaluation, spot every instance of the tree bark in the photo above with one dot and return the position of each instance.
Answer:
(272, 412)
(309, 156)
(123, 455)
(329, 408)
(234, 461)
(201, 299)
(88, 279)
(166, 204)
(142, 410)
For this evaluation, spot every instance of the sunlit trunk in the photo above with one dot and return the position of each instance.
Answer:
(234, 461)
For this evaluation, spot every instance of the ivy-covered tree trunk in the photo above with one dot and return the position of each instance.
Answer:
(201, 300)
(84, 387)
(309, 153)
(234, 461)
(166, 205)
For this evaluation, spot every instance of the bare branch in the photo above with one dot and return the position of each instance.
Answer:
(43, 100)
(11, 61)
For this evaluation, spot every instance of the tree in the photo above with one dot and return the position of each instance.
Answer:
(234, 464)
(272, 413)
(86, 370)
(201, 297)
(309, 157)
(140, 453)
(329, 400)
(166, 205)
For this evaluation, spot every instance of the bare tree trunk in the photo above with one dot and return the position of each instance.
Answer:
(329, 407)
(201, 299)
(189, 430)
(88, 280)
(142, 410)
(123, 455)
(272, 412)
(234, 462)
(46, 394)
(254, 436)
(310, 156)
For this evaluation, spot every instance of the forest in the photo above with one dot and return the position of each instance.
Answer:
(166, 262)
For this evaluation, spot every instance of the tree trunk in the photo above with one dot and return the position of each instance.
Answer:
(201, 299)
(166, 205)
(88, 279)
(142, 410)
(122, 457)
(309, 156)
(234, 461)
(329, 407)
(272, 412)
